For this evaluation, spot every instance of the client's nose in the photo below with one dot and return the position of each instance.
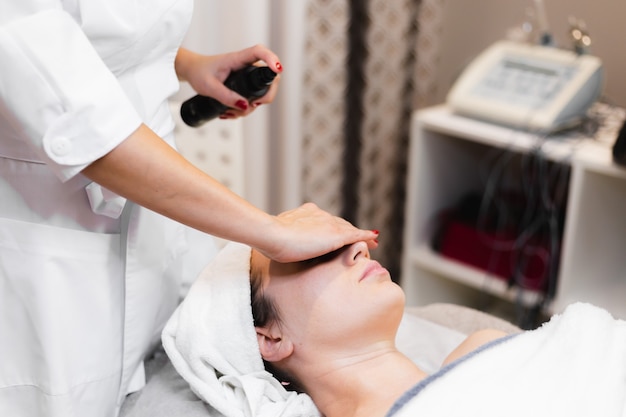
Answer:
(356, 251)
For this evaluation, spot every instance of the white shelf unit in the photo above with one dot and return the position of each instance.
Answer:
(446, 151)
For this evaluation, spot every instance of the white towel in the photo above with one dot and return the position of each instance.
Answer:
(212, 343)
(573, 366)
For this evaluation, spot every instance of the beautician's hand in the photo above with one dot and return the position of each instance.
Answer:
(206, 75)
(309, 231)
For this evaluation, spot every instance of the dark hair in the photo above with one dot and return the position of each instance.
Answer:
(265, 313)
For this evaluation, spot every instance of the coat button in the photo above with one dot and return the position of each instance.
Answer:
(61, 146)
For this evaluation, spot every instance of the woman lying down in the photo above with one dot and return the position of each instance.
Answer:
(326, 329)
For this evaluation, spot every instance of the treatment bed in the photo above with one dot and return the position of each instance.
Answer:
(427, 334)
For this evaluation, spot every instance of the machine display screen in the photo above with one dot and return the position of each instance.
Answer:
(520, 81)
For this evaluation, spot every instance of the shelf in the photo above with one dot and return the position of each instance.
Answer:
(440, 119)
(425, 257)
(447, 156)
(594, 154)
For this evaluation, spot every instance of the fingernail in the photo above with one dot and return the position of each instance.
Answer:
(242, 104)
(376, 232)
(279, 67)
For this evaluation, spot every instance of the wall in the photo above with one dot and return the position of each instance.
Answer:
(217, 27)
(272, 134)
(471, 26)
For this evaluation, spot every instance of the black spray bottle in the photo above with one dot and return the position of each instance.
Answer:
(251, 82)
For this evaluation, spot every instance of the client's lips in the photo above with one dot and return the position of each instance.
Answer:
(373, 269)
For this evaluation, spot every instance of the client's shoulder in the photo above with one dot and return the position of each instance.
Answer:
(473, 342)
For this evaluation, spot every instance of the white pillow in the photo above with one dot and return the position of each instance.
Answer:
(426, 343)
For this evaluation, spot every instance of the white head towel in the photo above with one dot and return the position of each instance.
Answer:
(212, 343)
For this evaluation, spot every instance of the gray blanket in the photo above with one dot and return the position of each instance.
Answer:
(165, 394)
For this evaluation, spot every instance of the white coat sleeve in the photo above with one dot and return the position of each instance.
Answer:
(58, 93)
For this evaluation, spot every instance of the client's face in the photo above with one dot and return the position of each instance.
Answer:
(338, 299)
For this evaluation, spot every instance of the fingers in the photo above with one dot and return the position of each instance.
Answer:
(311, 231)
(360, 235)
(257, 53)
(221, 93)
(372, 244)
(239, 105)
(211, 71)
(270, 95)
(351, 234)
(243, 108)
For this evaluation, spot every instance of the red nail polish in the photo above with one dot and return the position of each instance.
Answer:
(242, 104)
(279, 67)
(376, 231)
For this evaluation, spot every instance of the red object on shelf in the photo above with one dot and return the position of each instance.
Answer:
(496, 254)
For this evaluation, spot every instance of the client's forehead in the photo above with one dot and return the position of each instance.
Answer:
(259, 265)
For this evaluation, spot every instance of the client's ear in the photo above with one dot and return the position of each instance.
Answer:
(273, 345)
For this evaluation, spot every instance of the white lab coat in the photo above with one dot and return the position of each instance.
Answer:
(85, 288)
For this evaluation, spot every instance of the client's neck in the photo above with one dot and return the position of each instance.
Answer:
(362, 385)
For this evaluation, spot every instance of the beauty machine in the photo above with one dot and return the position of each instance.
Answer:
(531, 86)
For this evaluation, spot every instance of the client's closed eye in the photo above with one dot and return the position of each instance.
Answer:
(309, 263)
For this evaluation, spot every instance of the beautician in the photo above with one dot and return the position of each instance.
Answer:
(89, 272)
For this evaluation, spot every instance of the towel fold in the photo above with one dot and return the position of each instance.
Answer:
(211, 341)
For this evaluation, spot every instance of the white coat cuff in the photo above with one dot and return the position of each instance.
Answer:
(71, 107)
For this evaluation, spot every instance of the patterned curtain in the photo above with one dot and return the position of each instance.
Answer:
(370, 63)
